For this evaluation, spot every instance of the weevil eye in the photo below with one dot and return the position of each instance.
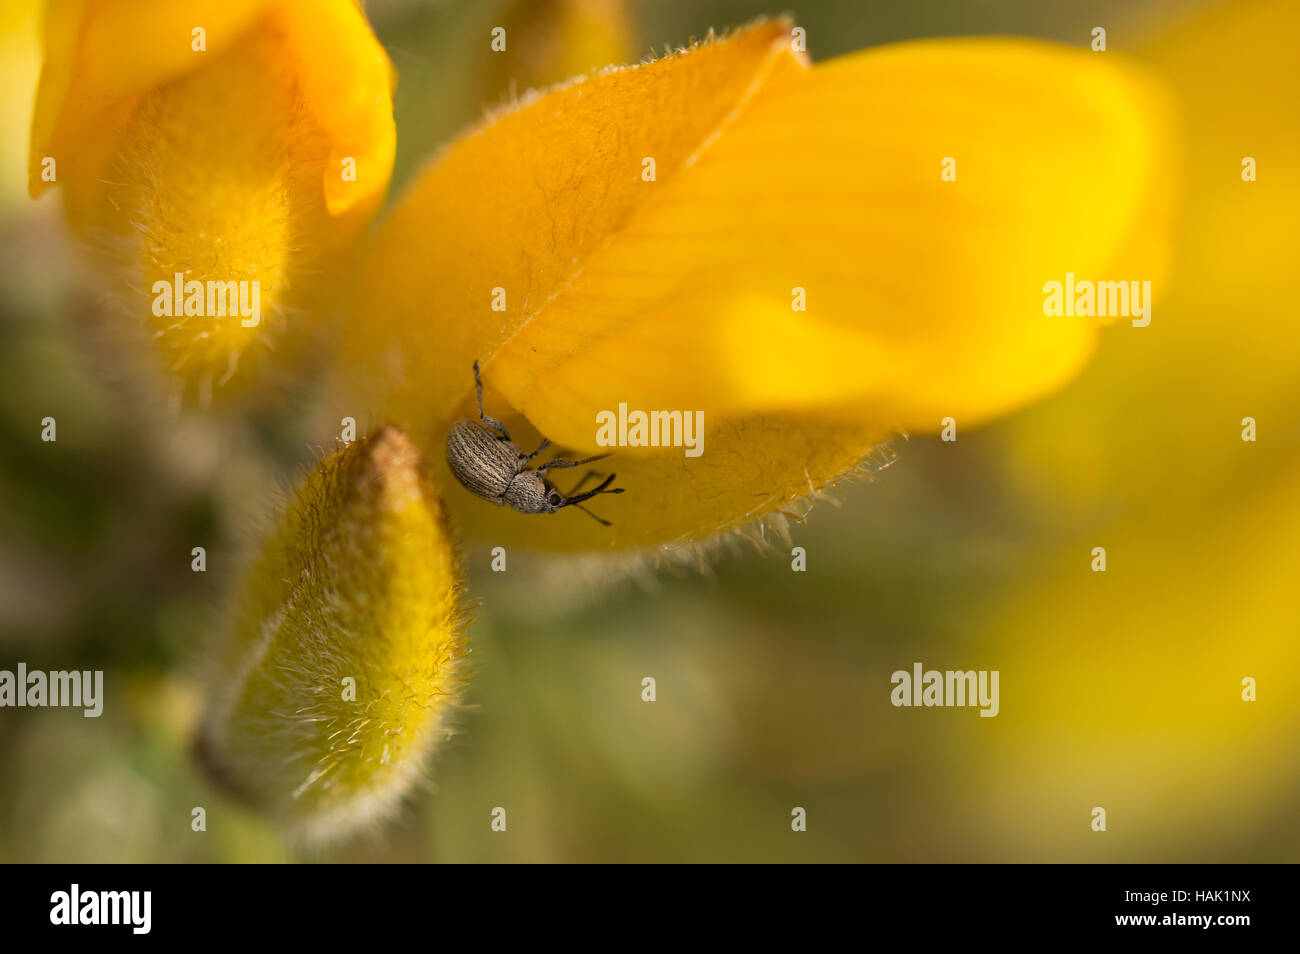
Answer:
(554, 499)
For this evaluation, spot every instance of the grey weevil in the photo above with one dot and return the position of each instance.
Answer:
(491, 466)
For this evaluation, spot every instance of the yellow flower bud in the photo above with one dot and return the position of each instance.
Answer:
(218, 158)
(342, 662)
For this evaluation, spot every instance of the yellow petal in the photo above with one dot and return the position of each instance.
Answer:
(102, 53)
(254, 160)
(347, 82)
(924, 297)
(20, 63)
(99, 54)
(342, 663)
(1157, 421)
(759, 469)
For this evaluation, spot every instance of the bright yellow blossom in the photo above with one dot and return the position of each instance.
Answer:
(814, 258)
(240, 140)
(643, 237)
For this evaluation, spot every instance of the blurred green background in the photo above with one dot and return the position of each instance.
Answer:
(1119, 690)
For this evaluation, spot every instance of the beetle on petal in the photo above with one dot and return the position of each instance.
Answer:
(491, 465)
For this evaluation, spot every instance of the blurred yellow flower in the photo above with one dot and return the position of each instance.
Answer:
(731, 232)
(236, 141)
(552, 40)
(1179, 454)
(19, 67)
(342, 663)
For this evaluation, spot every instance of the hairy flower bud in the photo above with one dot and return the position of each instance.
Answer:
(342, 662)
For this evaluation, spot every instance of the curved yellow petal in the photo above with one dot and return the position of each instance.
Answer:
(645, 235)
(342, 664)
(347, 82)
(99, 54)
(239, 142)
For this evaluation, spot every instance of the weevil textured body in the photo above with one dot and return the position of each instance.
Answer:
(491, 465)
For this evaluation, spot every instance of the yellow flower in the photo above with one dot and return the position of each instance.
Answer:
(811, 258)
(222, 141)
(342, 662)
(1135, 676)
(649, 236)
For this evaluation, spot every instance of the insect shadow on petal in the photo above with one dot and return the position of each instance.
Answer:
(490, 465)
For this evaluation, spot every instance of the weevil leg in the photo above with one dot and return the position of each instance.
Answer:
(556, 462)
(489, 421)
(582, 483)
(545, 444)
(599, 520)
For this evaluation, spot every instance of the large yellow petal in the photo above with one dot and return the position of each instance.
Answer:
(924, 296)
(100, 54)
